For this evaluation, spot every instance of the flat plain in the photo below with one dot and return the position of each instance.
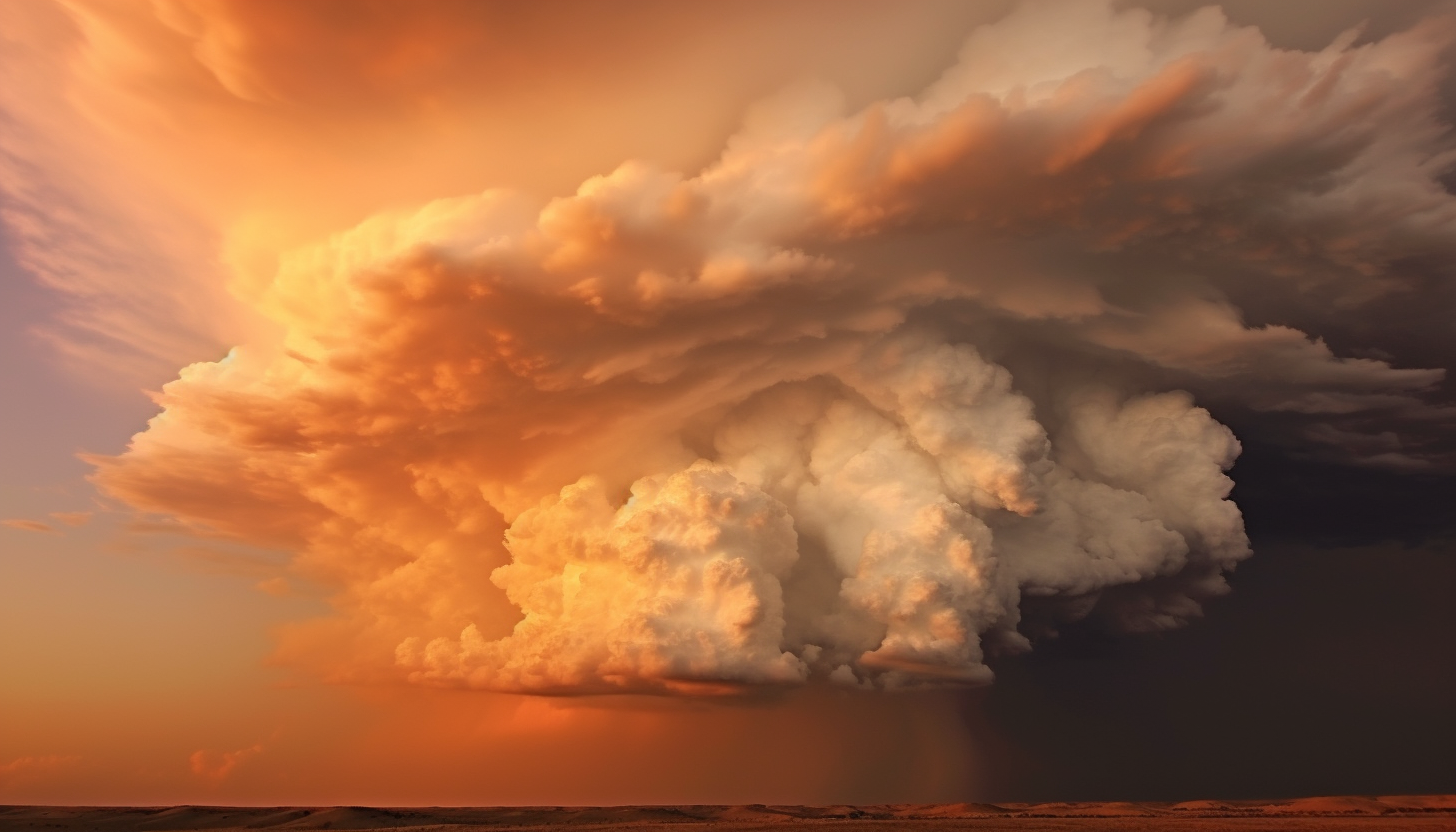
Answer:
(1340, 814)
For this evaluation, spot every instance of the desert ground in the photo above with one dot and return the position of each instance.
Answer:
(1385, 814)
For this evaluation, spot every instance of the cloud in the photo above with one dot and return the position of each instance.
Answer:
(217, 766)
(23, 770)
(678, 587)
(834, 407)
(134, 267)
(72, 518)
(275, 586)
(27, 525)
(156, 157)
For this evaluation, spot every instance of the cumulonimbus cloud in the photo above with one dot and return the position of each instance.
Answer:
(837, 406)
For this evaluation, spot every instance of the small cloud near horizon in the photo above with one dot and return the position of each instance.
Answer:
(29, 768)
(218, 765)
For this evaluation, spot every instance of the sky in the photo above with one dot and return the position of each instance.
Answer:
(479, 403)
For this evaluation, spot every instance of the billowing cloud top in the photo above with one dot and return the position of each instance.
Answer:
(871, 397)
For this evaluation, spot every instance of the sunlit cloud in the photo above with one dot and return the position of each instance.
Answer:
(217, 766)
(872, 395)
(72, 518)
(28, 770)
(27, 525)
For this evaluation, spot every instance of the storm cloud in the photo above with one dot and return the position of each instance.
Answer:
(880, 394)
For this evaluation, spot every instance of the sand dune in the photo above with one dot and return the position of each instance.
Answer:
(1387, 814)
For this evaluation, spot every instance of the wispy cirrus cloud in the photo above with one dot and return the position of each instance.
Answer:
(27, 525)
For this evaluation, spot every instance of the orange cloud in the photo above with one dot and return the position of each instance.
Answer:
(24, 771)
(193, 140)
(72, 518)
(27, 525)
(730, 439)
(823, 408)
(216, 766)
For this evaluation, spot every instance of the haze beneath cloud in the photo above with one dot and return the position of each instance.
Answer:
(880, 392)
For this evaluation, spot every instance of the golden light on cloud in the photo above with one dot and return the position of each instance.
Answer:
(558, 376)
(872, 496)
